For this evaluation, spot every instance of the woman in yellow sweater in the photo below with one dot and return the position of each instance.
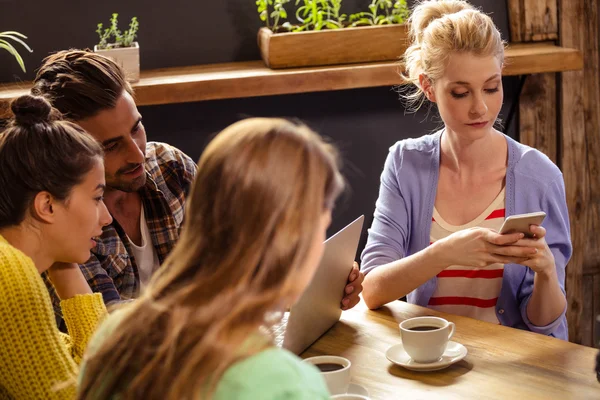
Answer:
(52, 180)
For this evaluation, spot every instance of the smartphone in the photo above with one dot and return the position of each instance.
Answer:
(520, 223)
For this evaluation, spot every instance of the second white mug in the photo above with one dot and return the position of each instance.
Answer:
(350, 397)
(335, 370)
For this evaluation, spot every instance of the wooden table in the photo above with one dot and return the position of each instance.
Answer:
(503, 363)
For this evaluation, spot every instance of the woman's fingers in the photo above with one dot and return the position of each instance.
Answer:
(514, 251)
(503, 240)
(539, 244)
(538, 231)
(494, 258)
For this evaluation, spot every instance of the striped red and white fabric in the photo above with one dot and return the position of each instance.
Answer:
(463, 290)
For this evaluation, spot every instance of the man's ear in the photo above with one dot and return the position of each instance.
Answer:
(44, 207)
(427, 87)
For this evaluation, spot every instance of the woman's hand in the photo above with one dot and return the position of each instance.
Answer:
(547, 301)
(480, 247)
(542, 260)
(68, 280)
(353, 288)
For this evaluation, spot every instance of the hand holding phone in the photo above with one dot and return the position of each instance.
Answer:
(520, 223)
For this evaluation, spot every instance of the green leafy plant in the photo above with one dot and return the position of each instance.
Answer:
(326, 14)
(334, 10)
(277, 14)
(400, 12)
(318, 14)
(6, 45)
(119, 39)
(382, 12)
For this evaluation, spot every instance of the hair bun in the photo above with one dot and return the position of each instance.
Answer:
(30, 110)
(429, 10)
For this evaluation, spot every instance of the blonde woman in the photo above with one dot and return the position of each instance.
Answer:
(250, 244)
(51, 209)
(444, 196)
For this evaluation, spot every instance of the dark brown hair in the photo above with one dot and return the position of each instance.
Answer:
(39, 152)
(80, 83)
(254, 210)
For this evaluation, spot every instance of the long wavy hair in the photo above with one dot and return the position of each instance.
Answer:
(260, 191)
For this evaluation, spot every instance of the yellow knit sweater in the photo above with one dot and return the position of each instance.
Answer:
(34, 355)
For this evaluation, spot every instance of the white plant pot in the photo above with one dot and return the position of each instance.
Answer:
(127, 57)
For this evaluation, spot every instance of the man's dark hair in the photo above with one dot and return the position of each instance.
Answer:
(80, 83)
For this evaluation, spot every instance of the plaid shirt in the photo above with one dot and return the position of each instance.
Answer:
(111, 269)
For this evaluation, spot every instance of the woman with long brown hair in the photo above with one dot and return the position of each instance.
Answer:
(253, 237)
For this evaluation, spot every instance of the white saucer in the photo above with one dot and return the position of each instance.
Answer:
(454, 353)
(355, 388)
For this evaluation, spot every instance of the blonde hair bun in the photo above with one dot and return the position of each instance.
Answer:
(428, 11)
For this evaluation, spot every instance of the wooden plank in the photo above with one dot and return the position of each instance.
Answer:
(534, 58)
(537, 114)
(575, 153)
(587, 312)
(541, 20)
(591, 107)
(586, 223)
(532, 20)
(591, 112)
(252, 78)
(596, 314)
(590, 268)
(516, 18)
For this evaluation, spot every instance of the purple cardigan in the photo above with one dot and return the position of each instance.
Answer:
(402, 220)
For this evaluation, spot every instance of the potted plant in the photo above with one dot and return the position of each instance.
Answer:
(6, 45)
(325, 36)
(121, 46)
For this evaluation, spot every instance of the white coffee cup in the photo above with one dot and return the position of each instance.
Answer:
(349, 396)
(337, 381)
(426, 346)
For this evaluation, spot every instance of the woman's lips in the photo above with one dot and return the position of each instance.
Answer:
(478, 124)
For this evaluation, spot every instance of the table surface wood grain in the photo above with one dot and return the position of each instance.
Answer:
(502, 362)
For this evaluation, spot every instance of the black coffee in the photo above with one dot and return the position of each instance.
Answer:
(424, 328)
(328, 367)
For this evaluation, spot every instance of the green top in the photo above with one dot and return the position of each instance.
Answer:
(274, 373)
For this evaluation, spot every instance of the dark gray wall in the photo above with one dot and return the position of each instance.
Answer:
(363, 122)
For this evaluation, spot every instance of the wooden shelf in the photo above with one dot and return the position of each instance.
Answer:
(252, 78)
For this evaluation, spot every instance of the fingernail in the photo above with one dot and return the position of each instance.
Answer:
(352, 277)
(350, 289)
(345, 302)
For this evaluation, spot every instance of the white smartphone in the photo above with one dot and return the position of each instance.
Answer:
(520, 223)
